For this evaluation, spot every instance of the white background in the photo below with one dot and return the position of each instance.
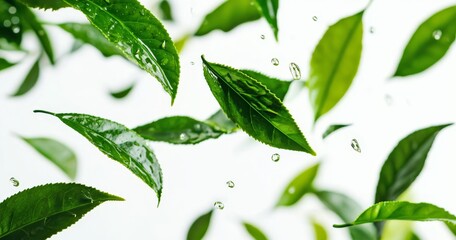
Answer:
(195, 176)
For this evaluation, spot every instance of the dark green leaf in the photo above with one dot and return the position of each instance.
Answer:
(254, 231)
(119, 143)
(11, 29)
(40, 212)
(229, 15)
(56, 152)
(30, 80)
(429, 43)
(44, 4)
(405, 163)
(199, 227)
(347, 209)
(165, 8)
(90, 35)
(275, 85)
(331, 129)
(398, 210)
(4, 64)
(269, 10)
(319, 231)
(398, 230)
(140, 36)
(254, 108)
(299, 186)
(124, 92)
(334, 63)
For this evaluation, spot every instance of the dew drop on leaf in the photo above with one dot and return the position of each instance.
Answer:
(219, 205)
(295, 71)
(7, 23)
(315, 18)
(230, 184)
(14, 181)
(142, 12)
(15, 20)
(262, 36)
(355, 145)
(275, 157)
(183, 137)
(163, 45)
(16, 29)
(437, 34)
(291, 190)
(275, 61)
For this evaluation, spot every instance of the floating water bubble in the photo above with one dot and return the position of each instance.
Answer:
(219, 205)
(355, 145)
(315, 18)
(275, 61)
(262, 36)
(295, 71)
(437, 34)
(371, 29)
(192, 63)
(388, 99)
(275, 157)
(230, 184)
(14, 181)
(183, 137)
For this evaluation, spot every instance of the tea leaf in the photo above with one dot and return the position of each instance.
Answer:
(4, 64)
(30, 80)
(331, 129)
(269, 10)
(254, 231)
(124, 92)
(199, 227)
(319, 231)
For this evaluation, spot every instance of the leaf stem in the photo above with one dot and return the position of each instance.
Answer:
(43, 111)
(342, 225)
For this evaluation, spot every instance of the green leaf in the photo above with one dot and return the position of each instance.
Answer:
(397, 230)
(347, 209)
(10, 31)
(254, 231)
(199, 227)
(319, 231)
(229, 15)
(29, 19)
(140, 36)
(42, 211)
(269, 10)
(181, 42)
(30, 80)
(124, 92)
(254, 108)
(429, 43)
(299, 186)
(88, 34)
(4, 64)
(165, 8)
(405, 163)
(451, 227)
(44, 4)
(56, 152)
(334, 63)
(275, 85)
(119, 143)
(399, 210)
(331, 129)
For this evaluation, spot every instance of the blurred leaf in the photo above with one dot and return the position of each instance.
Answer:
(334, 63)
(429, 43)
(118, 143)
(42, 211)
(88, 34)
(405, 163)
(299, 186)
(269, 10)
(199, 227)
(229, 15)
(45, 4)
(451, 227)
(30, 80)
(165, 8)
(398, 230)
(223, 122)
(254, 108)
(56, 152)
(11, 29)
(77, 44)
(4, 64)
(254, 231)
(331, 129)
(124, 92)
(399, 210)
(319, 231)
(181, 42)
(347, 209)
(141, 37)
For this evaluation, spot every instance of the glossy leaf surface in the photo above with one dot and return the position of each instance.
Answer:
(331, 129)
(56, 152)
(398, 210)
(30, 79)
(119, 143)
(254, 231)
(429, 43)
(140, 36)
(200, 226)
(405, 163)
(254, 108)
(299, 186)
(42, 211)
(334, 63)
(269, 10)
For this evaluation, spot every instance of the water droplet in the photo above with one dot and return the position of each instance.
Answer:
(219, 205)
(315, 18)
(12, 10)
(355, 145)
(388, 100)
(163, 45)
(14, 181)
(197, 127)
(275, 157)
(291, 190)
(275, 61)
(295, 71)
(192, 63)
(230, 184)
(183, 137)
(262, 36)
(437, 34)
(371, 29)
(74, 214)
(7, 23)
(15, 20)
(142, 12)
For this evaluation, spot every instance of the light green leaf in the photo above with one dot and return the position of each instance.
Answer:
(56, 152)
(88, 34)
(181, 42)
(405, 163)
(11, 32)
(347, 209)
(334, 63)
(42, 211)
(44, 4)
(124, 92)
(254, 108)
(140, 36)
(269, 10)
(299, 186)
(4, 64)
(119, 143)
(229, 15)
(451, 227)
(398, 230)
(429, 43)
(254, 231)
(30, 80)
(399, 210)
(165, 8)
(331, 129)
(319, 231)
(200, 226)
